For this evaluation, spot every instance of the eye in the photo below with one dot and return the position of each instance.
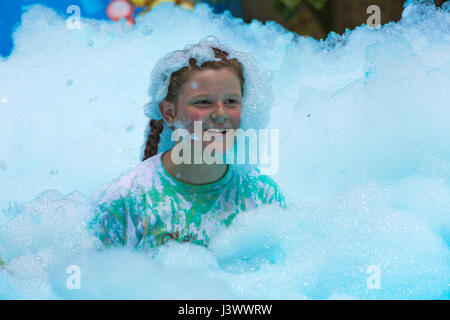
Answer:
(202, 103)
(231, 102)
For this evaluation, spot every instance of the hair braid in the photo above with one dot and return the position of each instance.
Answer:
(151, 147)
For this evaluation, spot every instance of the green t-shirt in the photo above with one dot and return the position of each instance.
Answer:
(147, 207)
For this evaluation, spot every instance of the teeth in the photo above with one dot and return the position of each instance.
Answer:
(216, 130)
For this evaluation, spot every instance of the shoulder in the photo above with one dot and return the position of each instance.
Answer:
(255, 178)
(266, 189)
(140, 177)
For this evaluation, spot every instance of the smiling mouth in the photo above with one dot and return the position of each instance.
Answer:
(217, 130)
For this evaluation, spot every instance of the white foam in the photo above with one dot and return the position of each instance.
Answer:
(364, 158)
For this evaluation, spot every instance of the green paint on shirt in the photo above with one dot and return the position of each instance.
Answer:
(147, 207)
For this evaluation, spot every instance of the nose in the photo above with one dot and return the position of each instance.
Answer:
(219, 114)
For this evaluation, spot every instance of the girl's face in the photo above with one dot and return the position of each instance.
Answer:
(212, 97)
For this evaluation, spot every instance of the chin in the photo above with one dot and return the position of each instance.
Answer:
(221, 151)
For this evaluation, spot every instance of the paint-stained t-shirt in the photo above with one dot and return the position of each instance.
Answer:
(147, 207)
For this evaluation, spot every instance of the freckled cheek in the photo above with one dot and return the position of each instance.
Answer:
(235, 115)
(199, 116)
(189, 116)
(194, 115)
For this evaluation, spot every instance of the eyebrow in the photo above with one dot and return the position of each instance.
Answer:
(202, 96)
(205, 96)
(234, 95)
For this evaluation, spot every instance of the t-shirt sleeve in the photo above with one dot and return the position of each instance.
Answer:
(110, 216)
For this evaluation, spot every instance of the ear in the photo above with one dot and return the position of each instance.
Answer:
(167, 110)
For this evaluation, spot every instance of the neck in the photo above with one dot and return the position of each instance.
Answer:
(193, 173)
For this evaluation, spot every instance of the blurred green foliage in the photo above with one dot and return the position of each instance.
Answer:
(212, 1)
(288, 8)
(317, 4)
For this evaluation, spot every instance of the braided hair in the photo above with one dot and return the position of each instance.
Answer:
(151, 146)
(177, 80)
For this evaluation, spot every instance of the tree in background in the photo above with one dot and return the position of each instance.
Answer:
(288, 8)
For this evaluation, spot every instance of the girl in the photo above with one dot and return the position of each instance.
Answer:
(161, 199)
